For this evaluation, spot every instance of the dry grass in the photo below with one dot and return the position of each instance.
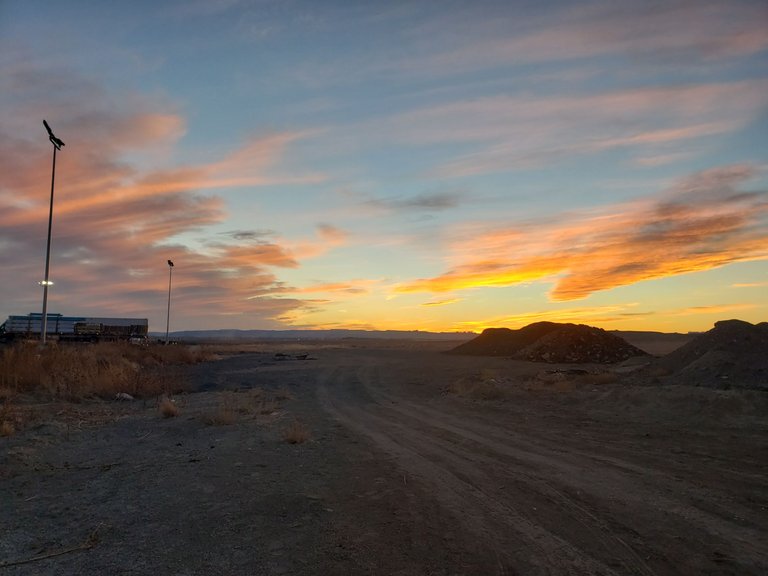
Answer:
(226, 414)
(76, 372)
(296, 433)
(8, 419)
(265, 406)
(485, 386)
(7, 428)
(283, 394)
(168, 408)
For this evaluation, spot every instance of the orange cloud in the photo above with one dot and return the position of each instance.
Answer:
(352, 287)
(442, 302)
(721, 309)
(701, 223)
(592, 315)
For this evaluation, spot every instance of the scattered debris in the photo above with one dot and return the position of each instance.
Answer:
(282, 356)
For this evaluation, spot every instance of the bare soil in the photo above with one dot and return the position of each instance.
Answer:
(565, 473)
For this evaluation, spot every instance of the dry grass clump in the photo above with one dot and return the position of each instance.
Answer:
(296, 433)
(78, 371)
(232, 406)
(168, 408)
(283, 394)
(8, 419)
(7, 428)
(485, 386)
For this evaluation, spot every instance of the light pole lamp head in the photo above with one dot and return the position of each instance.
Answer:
(52, 137)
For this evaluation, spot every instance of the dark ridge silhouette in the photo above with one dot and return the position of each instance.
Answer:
(552, 342)
(504, 341)
(733, 354)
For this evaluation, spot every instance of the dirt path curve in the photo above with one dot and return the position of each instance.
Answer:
(539, 497)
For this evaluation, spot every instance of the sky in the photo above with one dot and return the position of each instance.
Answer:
(419, 165)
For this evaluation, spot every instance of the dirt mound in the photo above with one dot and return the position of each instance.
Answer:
(552, 342)
(504, 341)
(734, 353)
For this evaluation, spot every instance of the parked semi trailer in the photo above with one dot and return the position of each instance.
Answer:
(78, 328)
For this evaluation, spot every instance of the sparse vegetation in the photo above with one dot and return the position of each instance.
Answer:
(7, 419)
(484, 386)
(168, 408)
(7, 428)
(283, 394)
(79, 371)
(296, 433)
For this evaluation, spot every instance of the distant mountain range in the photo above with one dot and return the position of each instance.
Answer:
(336, 334)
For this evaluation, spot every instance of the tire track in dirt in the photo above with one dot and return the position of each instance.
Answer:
(521, 545)
(586, 505)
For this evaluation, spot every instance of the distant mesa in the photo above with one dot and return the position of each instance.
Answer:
(733, 354)
(552, 342)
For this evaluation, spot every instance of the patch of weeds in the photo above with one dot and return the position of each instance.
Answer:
(168, 408)
(482, 387)
(283, 394)
(265, 406)
(7, 428)
(230, 406)
(296, 433)
(9, 419)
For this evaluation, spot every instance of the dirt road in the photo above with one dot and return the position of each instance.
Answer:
(400, 476)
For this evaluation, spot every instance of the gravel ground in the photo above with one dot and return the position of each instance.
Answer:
(398, 476)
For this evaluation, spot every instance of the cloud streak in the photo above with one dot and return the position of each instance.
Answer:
(509, 132)
(703, 222)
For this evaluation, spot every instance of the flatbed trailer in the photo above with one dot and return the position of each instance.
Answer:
(74, 328)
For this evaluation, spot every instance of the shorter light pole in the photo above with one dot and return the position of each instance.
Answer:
(168, 315)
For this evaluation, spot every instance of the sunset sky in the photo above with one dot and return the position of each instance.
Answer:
(430, 165)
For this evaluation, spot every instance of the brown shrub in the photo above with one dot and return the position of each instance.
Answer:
(168, 408)
(7, 428)
(296, 433)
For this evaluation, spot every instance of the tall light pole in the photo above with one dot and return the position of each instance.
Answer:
(57, 144)
(168, 315)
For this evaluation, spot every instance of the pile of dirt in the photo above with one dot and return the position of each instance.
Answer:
(552, 342)
(504, 341)
(733, 354)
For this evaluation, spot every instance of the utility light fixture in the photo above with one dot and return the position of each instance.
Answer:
(57, 145)
(168, 315)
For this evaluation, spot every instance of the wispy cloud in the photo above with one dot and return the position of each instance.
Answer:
(442, 302)
(714, 309)
(664, 34)
(703, 222)
(424, 201)
(512, 132)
